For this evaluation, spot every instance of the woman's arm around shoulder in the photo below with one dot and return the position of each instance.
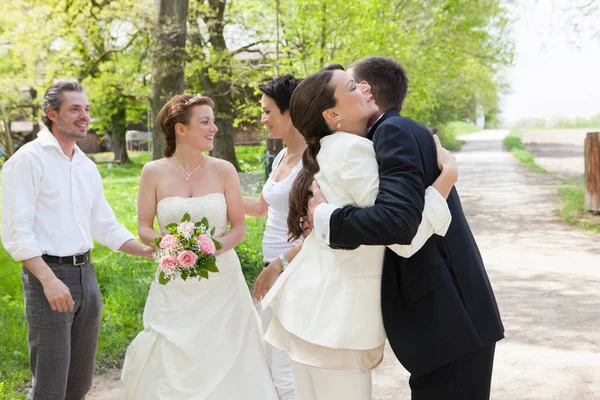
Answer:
(255, 206)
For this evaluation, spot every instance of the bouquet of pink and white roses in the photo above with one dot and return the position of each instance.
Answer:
(187, 251)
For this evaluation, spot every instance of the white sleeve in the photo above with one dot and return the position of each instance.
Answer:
(436, 220)
(104, 226)
(19, 195)
(321, 221)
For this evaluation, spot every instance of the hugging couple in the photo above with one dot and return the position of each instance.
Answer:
(378, 183)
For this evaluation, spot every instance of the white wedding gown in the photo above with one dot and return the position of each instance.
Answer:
(202, 339)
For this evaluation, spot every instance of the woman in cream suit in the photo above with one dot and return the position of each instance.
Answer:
(327, 311)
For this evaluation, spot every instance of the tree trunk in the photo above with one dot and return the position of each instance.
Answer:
(224, 146)
(220, 86)
(592, 172)
(118, 128)
(8, 143)
(167, 60)
(274, 146)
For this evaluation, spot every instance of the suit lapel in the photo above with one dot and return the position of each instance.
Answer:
(386, 115)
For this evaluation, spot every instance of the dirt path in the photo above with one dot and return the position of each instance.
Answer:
(546, 276)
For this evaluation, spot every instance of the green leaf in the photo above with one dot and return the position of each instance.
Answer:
(203, 273)
(163, 279)
(218, 244)
(171, 226)
(204, 222)
(184, 275)
(212, 232)
(156, 242)
(211, 265)
(185, 218)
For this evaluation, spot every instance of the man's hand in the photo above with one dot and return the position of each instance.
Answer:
(149, 252)
(58, 295)
(265, 280)
(316, 199)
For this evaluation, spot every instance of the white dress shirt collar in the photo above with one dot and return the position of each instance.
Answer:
(47, 139)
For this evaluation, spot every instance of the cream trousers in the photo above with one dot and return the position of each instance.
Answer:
(314, 383)
(278, 360)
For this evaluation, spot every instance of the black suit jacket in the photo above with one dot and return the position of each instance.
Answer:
(437, 305)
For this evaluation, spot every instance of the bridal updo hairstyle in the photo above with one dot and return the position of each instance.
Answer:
(178, 109)
(313, 95)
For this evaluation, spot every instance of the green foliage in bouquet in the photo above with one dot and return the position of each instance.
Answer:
(187, 251)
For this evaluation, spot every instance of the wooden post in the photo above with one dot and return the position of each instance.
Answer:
(592, 172)
(274, 146)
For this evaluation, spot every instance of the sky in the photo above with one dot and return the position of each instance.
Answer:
(555, 72)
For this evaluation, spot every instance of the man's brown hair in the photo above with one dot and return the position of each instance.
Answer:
(387, 78)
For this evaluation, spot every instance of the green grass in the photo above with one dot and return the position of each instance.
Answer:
(572, 194)
(463, 128)
(448, 133)
(513, 143)
(251, 158)
(124, 281)
(572, 210)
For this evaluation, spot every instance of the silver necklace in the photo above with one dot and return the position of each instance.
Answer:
(185, 173)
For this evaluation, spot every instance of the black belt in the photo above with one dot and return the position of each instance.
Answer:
(76, 259)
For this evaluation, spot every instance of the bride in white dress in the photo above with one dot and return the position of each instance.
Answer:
(202, 338)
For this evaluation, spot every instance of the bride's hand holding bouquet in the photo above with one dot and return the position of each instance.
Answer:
(187, 251)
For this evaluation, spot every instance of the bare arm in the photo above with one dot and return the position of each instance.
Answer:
(255, 206)
(235, 209)
(147, 205)
(269, 274)
(135, 248)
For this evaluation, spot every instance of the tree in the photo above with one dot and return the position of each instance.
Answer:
(168, 59)
(212, 67)
(97, 43)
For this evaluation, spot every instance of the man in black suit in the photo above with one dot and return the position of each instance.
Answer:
(438, 306)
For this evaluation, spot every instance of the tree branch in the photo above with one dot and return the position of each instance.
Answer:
(106, 53)
(247, 48)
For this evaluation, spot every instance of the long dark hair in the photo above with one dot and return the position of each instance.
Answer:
(312, 96)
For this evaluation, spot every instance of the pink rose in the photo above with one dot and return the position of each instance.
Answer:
(207, 246)
(168, 264)
(168, 242)
(187, 259)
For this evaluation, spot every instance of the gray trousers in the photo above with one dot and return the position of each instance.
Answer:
(62, 345)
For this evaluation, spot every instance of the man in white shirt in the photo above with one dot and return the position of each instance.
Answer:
(53, 208)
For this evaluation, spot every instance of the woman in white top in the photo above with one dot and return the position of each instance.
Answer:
(273, 203)
(327, 311)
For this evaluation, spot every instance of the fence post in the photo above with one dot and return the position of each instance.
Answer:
(592, 172)
(274, 146)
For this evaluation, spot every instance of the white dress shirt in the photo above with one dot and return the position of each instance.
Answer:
(53, 205)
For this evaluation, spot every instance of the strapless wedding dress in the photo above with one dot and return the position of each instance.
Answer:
(202, 339)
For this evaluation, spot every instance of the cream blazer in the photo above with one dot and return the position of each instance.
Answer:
(332, 297)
